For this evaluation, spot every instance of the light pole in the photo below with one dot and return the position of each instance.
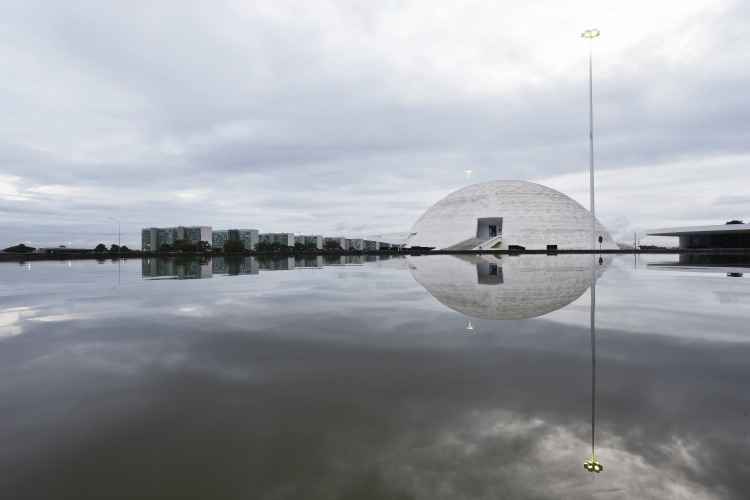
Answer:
(118, 233)
(590, 35)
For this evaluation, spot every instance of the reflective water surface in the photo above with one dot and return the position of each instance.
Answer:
(367, 378)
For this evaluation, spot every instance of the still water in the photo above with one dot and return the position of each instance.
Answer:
(366, 378)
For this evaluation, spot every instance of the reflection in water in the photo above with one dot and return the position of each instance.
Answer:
(207, 267)
(734, 266)
(177, 268)
(506, 287)
(592, 464)
(306, 385)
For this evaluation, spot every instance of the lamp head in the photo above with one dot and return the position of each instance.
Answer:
(590, 34)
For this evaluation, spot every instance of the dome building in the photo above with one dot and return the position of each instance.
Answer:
(497, 214)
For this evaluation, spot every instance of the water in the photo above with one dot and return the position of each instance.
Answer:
(419, 378)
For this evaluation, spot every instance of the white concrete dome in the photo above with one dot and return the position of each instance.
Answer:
(497, 214)
(506, 287)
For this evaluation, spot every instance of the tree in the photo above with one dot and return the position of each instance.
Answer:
(114, 248)
(735, 222)
(101, 247)
(20, 248)
(124, 249)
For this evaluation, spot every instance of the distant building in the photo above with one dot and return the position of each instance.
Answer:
(220, 236)
(341, 242)
(357, 244)
(248, 237)
(149, 239)
(62, 249)
(309, 241)
(732, 235)
(371, 246)
(152, 238)
(285, 239)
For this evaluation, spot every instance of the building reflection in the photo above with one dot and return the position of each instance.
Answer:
(207, 267)
(734, 266)
(156, 268)
(234, 266)
(506, 287)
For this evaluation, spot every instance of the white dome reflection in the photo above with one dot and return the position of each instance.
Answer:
(506, 287)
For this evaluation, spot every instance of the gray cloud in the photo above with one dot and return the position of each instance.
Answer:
(135, 104)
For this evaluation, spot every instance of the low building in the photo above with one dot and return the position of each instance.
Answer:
(284, 239)
(730, 235)
(309, 241)
(62, 249)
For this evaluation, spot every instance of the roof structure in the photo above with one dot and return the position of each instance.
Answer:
(715, 229)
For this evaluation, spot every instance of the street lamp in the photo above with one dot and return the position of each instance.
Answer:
(118, 232)
(590, 35)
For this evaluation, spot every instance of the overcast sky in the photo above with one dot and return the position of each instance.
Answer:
(353, 117)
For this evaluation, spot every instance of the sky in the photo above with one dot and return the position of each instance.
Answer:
(353, 117)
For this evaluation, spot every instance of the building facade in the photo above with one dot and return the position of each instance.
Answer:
(355, 244)
(309, 241)
(734, 235)
(499, 215)
(341, 242)
(219, 237)
(284, 239)
(371, 246)
(153, 238)
(248, 237)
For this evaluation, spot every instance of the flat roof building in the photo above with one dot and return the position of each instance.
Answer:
(152, 238)
(734, 235)
(248, 237)
(355, 244)
(333, 241)
(284, 239)
(309, 241)
(371, 246)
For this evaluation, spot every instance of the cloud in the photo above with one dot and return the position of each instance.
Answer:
(256, 106)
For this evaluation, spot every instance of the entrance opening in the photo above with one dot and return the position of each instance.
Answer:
(489, 227)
